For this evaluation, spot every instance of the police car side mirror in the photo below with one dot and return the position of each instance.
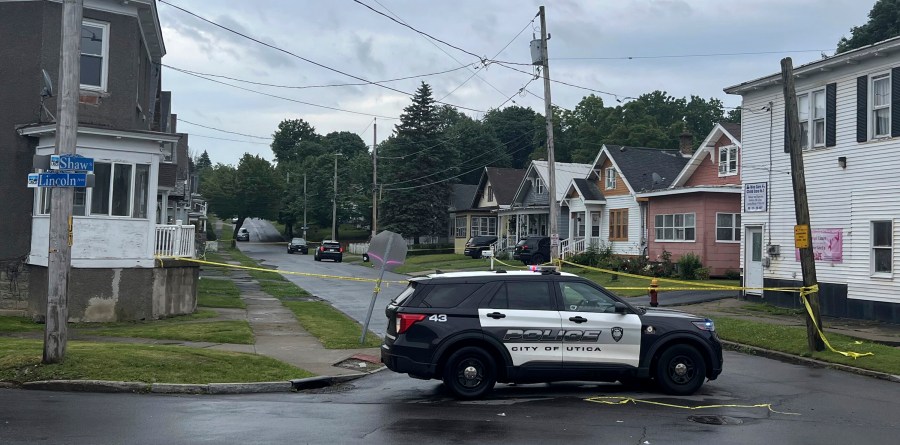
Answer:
(621, 308)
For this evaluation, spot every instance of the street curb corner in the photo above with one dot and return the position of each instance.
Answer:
(322, 381)
(179, 388)
(245, 388)
(791, 358)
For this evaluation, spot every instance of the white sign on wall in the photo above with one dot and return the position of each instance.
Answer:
(756, 197)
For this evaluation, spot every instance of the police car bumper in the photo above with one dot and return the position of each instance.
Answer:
(405, 365)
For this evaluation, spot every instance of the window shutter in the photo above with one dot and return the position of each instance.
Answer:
(831, 115)
(895, 109)
(862, 108)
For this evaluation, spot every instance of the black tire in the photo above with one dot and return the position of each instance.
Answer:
(317, 258)
(290, 251)
(680, 370)
(470, 373)
(537, 259)
(365, 258)
(340, 260)
(476, 255)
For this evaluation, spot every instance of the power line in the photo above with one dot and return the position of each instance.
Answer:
(195, 135)
(180, 120)
(302, 87)
(268, 45)
(285, 98)
(676, 56)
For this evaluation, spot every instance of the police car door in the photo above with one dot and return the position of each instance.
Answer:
(595, 333)
(523, 315)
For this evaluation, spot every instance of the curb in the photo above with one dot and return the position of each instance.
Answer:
(790, 358)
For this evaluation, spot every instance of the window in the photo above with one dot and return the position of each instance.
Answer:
(881, 105)
(538, 186)
(484, 225)
(490, 193)
(581, 297)
(119, 190)
(449, 295)
(610, 178)
(811, 110)
(78, 204)
(460, 226)
(579, 224)
(882, 247)
(530, 295)
(595, 224)
(675, 227)
(728, 227)
(618, 225)
(728, 161)
(94, 54)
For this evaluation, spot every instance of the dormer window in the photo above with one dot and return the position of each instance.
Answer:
(610, 178)
(538, 186)
(94, 55)
(728, 160)
(490, 193)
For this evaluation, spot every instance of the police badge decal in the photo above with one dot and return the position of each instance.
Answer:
(617, 333)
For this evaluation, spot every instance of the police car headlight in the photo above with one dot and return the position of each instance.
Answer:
(705, 325)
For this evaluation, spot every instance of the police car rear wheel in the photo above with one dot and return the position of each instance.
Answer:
(680, 370)
(470, 373)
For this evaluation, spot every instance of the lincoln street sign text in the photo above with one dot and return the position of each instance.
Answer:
(71, 163)
(57, 180)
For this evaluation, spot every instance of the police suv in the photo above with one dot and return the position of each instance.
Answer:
(473, 329)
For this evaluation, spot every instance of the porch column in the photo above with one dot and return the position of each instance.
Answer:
(164, 218)
(587, 228)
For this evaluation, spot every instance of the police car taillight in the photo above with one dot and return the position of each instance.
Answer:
(405, 321)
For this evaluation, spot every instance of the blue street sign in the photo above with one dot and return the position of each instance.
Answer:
(71, 163)
(59, 179)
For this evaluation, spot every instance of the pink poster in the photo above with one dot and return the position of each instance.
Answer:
(827, 245)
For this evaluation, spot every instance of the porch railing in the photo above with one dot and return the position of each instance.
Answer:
(175, 240)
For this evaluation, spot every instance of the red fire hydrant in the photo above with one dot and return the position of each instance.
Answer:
(654, 284)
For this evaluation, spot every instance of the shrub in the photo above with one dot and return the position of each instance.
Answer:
(688, 265)
(732, 275)
(702, 273)
(210, 233)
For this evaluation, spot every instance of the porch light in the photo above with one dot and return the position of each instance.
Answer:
(842, 161)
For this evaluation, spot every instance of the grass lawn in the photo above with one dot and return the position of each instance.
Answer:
(445, 262)
(219, 293)
(19, 324)
(792, 340)
(231, 331)
(20, 361)
(282, 289)
(334, 329)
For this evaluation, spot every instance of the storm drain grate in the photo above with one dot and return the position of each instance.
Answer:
(715, 420)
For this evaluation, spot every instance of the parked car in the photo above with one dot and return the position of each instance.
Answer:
(298, 245)
(478, 244)
(243, 234)
(533, 250)
(473, 329)
(329, 250)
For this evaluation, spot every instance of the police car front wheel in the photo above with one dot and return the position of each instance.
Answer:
(470, 373)
(680, 370)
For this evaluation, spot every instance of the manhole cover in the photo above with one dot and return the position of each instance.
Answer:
(715, 420)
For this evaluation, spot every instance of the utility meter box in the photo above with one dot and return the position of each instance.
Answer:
(536, 58)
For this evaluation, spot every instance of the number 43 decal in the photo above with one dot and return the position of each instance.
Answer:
(438, 317)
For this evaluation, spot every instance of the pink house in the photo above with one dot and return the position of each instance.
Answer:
(700, 212)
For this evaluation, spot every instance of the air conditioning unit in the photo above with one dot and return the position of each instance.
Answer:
(773, 250)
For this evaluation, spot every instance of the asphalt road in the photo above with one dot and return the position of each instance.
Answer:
(831, 407)
(351, 297)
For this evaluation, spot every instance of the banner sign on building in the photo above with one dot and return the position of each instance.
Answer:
(756, 197)
(827, 245)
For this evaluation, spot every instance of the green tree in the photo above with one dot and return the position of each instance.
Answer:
(884, 23)
(294, 140)
(203, 161)
(476, 147)
(253, 189)
(515, 127)
(417, 171)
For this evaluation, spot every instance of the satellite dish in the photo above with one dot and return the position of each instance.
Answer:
(657, 178)
(47, 90)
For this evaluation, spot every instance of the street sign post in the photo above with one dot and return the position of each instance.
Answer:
(57, 180)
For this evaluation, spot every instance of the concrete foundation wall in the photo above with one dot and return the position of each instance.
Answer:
(104, 295)
(13, 285)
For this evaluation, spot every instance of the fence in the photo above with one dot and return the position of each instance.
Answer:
(175, 240)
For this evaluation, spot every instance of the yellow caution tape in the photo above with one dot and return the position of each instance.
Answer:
(613, 400)
(668, 280)
(284, 272)
(804, 292)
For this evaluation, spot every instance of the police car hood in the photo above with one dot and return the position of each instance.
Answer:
(669, 313)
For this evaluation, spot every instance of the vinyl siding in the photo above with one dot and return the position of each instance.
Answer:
(633, 245)
(847, 199)
(707, 173)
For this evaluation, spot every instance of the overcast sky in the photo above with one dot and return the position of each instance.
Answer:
(346, 36)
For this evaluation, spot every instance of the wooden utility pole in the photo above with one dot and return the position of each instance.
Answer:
(304, 208)
(551, 167)
(59, 259)
(801, 205)
(334, 202)
(375, 178)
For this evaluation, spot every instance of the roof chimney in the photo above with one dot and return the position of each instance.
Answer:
(686, 142)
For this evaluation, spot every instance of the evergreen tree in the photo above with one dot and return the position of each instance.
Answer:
(203, 161)
(884, 23)
(417, 168)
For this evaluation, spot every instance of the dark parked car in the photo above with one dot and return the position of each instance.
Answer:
(329, 250)
(478, 244)
(473, 329)
(243, 234)
(533, 250)
(298, 245)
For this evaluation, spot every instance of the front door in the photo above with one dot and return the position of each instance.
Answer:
(753, 255)
(594, 332)
(525, 318)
